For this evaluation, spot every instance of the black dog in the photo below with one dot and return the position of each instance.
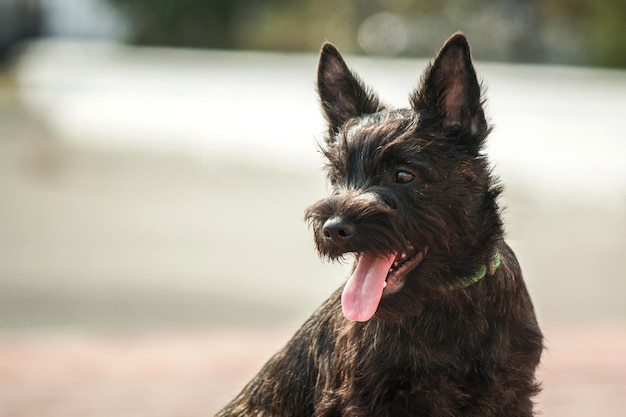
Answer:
(435, 319)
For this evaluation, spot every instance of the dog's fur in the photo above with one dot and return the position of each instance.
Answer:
(410, 182)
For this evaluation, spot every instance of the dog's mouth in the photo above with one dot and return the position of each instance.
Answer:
(402, 264)
(373, 276)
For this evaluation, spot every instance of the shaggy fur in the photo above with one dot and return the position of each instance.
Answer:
(411, 183)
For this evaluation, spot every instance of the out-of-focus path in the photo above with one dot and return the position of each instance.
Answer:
(196, 373)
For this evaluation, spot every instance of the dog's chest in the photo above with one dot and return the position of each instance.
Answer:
(373, 365)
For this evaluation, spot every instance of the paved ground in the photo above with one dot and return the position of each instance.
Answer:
(126, 285)
(195, 373)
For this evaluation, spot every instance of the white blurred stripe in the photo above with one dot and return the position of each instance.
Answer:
(556, 128)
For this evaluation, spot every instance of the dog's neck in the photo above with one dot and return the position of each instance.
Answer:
(486, 269)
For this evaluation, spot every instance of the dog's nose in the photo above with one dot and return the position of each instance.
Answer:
(338, 230)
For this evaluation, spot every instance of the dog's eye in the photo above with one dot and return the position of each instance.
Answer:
(404, 177)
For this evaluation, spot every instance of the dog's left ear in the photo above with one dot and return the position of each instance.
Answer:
(342, 93)
(451, 94)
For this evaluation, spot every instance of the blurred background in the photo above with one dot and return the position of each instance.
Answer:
(156, 158)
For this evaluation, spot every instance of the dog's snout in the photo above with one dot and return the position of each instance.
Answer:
(338, 230)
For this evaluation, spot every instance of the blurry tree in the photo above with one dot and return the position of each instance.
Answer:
(599, 26)
(560, 31)
(195, 23)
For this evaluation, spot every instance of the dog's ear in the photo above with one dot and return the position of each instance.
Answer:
(342, 93)
(450, 92)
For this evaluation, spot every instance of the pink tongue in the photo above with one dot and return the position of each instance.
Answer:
(364, 288)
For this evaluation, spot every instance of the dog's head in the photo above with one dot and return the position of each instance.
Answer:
(412, 196)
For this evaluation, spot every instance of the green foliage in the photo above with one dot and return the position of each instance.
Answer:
(597, 23)
(195, 23)
(607, 34)
(561, 31)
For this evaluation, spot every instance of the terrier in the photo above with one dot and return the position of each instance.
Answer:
(435, 319)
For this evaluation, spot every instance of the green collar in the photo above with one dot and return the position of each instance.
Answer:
(478, 275)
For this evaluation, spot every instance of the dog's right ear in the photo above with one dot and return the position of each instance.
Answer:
(342, 93)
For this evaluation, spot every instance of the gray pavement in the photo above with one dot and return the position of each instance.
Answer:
(124, 239)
